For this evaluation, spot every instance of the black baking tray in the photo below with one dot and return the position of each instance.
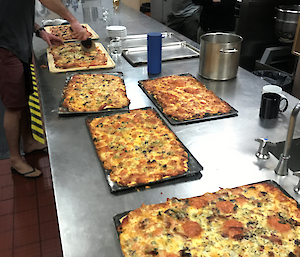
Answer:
(231, 113)
(118, 217)
(193, 173)
(62, 111)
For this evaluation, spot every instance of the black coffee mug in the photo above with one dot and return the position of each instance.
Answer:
(271, 105)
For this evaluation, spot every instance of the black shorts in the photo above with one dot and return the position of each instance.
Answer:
(15, 80)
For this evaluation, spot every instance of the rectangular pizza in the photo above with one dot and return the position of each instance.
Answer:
(252, 220)
(137, 147)
(70, 57)
(184, 98)
(93, 93)
(64, 32)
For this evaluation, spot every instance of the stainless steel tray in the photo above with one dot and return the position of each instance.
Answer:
(141, 40)
(170, 51)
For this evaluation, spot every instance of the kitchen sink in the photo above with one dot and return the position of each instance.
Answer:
(294, 161)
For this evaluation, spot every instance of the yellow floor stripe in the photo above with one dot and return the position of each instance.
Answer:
(38, 138)
(35, 94)
(34, 104)
(37, 121)
(35, 113)
(37, 129)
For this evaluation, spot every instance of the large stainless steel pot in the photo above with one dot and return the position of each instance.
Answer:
(219, 55)
(286, 20)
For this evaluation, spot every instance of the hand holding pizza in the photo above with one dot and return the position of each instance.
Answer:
(51, 39)
(58, 7)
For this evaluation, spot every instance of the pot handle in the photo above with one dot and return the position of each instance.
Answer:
(228, 51)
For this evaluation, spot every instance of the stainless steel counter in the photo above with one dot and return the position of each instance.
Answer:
(225, 147)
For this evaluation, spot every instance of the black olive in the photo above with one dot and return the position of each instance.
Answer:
(169, 212)
(184, 253)
(152, 252)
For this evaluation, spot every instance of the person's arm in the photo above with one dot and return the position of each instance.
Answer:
(58, 7)
(49, 38)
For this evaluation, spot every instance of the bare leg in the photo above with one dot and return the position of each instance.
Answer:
(12, 127)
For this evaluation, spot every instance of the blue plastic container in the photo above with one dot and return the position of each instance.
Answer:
(154, 52)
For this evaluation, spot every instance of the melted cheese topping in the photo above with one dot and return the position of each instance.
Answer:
(94, 92)
(70, 55)
(184, 97)
(64, 32)
(256, 220)
(137, 147)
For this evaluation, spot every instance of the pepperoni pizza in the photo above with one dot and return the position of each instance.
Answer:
(252, 220)
(183, 97)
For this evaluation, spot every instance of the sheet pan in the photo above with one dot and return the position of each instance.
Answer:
(141, 40)
(194, 167)
(171, 51)
(53, 69)
(88, 27)
(118, 217)
(231, 113)
(62, 111)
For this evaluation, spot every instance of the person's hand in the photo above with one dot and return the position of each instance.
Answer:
(78, 31)
(51, 39)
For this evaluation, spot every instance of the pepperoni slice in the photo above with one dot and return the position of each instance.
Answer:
(225, 206)
(191, 228)
(241, 200)
(277, 224)
(198, 202)
(233, 228)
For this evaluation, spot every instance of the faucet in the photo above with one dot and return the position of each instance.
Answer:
(263, 150)
(282, 168)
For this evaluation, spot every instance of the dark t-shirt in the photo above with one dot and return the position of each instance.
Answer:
(16, 27)
(217, 16)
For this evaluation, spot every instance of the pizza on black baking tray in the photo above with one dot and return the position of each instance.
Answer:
(94, 92)
(183, 97)
(252, 220)
(137, 147)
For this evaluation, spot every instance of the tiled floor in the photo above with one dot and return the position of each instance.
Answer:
(28, 221)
